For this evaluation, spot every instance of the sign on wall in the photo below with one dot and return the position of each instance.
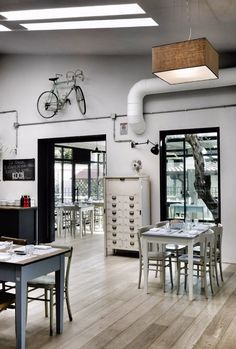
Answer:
(19, 170)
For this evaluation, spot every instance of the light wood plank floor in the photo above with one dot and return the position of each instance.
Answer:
(110, 312)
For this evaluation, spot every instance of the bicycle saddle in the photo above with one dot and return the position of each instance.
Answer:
(54, 79)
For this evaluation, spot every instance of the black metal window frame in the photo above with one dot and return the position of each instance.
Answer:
(163, 161)
(73, 162)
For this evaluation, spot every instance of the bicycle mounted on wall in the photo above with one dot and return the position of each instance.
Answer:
(50, 102)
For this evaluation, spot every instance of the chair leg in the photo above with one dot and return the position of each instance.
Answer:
(221, 272)
(216, 271)
(205, 282)
(163, 275)
(185, 276)
(211, 281)
(46, 302)
(140, 273)
(68, 304)
(51, 312)
(178, 277)
(171, 275)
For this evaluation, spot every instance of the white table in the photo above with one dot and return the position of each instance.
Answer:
(21, 271)
(72, 211)
(163, 237)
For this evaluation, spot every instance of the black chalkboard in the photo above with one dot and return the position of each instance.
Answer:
(19, 170)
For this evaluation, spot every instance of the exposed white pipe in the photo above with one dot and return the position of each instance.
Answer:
(142, 88)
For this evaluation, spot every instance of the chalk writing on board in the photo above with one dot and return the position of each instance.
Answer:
(19, 170)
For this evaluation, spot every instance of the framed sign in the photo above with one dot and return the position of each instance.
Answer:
(19, 170)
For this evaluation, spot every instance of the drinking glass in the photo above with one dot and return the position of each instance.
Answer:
(29, 250)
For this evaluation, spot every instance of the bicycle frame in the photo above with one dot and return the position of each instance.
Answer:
(62, 99)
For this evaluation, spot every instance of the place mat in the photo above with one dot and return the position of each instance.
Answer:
(4, 257)
(42, 247)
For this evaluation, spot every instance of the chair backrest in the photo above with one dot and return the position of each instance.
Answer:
(68, 256)
(161, 224)
(15, 241)
(208, 245)
(218, 231)
(142, 230)
(176, 223)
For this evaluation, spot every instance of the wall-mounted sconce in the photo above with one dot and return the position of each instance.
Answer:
(154, 150)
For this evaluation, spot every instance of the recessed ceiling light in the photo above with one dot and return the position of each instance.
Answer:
(4, 29)
(72, 12)
(115, 23)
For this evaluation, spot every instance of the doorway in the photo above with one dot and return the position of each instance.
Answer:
(69, 169)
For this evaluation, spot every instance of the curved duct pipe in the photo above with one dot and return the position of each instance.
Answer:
(227, 77)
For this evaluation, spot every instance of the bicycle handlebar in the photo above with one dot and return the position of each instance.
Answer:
(71, 76)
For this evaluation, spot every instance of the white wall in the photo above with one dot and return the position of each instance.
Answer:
(106, 86)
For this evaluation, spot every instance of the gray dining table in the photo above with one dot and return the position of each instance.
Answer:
(21, 269)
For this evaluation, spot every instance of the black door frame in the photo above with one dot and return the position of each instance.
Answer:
(46, 224)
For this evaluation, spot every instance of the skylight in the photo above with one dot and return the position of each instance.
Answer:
(73, 12)
(115, 23)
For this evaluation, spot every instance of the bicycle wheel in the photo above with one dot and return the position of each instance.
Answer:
(80, 99)
(47, 104)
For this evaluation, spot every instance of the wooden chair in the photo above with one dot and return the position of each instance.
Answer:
(157, 260)
(15, 241)
(47, 283)
(6, 300)
(175, 249)
(217, 252)
(204, 262)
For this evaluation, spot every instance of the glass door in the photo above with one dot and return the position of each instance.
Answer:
(190, 175)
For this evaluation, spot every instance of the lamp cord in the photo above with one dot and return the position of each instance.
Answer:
(189, 19)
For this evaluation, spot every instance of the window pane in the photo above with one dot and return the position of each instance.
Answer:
(58, 152)
(96, 181)
(67, 182)
(67, 153)
(174, 174)
(93, 156)
(81, 182)
(58, 182)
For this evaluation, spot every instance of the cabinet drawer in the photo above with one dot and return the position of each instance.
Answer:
(122, 186)
(114, 220)
(131, 245)
(113, 244)
(132, 221)
(114, 235)
(114, 213)
(131, 206)
(130, 229)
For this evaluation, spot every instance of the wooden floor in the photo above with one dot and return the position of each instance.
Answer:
(110, 312)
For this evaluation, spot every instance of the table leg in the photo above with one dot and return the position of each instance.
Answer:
(145, 264)
(20, 311)
(92, 221)
(60, 295)
(190, 266)
(81, 222)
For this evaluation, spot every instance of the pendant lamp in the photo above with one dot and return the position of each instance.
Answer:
(186, 61)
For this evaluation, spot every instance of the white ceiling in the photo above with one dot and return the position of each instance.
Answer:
(213, 19)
